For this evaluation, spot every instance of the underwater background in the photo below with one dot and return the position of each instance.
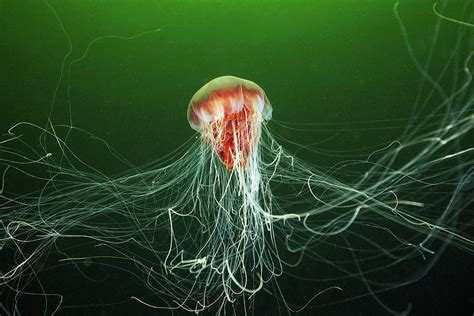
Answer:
(340, 69)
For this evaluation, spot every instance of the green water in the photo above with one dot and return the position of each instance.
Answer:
(330, 63)
(318, 61)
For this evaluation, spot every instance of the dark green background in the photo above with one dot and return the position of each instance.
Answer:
(318, 61)
(329, 63)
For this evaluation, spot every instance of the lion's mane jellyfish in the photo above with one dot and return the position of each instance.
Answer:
(232, 218)
(228, 112)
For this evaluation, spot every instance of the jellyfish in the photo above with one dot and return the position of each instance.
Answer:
(231, 214)
(216, 225)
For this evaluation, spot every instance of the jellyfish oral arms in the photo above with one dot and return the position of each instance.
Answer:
(228, 112)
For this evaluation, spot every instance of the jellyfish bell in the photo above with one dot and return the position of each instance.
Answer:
(228, 112)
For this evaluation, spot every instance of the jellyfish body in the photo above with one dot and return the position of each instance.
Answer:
(228, 112)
